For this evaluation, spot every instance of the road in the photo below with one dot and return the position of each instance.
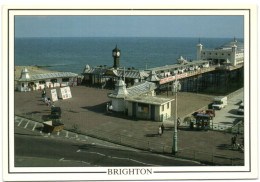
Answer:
(228, 116)
(33, 149)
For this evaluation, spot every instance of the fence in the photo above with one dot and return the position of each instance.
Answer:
(208, 158)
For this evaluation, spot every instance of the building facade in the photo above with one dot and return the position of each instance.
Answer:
(149, 108)
(231, 53)
(28, 82)
(139, 101)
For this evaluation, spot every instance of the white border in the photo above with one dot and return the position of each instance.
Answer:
(74, 176)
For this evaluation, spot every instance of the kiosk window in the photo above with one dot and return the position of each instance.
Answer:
(143, 107)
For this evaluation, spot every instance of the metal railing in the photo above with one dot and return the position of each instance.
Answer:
(163, 148)
(209, 158)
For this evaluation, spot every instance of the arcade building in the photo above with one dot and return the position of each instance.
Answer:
(106, 77)
(28, 82)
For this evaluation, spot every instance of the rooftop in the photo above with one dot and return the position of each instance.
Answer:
(136, 90)
(150, 100)
(175, 66)
(120, 72)
(49, 76)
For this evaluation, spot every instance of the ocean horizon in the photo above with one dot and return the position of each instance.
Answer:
(73, 53)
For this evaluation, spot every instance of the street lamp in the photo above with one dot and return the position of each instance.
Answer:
(176, 87)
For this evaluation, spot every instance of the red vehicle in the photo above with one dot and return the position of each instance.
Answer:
(210, 112)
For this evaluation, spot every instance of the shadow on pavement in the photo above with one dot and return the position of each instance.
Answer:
(151, 135)
(233, 111)
(223, 147)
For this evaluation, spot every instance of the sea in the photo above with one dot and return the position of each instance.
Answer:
(71, 54)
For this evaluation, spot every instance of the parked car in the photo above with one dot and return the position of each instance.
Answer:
(240, 109)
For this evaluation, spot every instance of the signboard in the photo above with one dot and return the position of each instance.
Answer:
(65, 93)
(172, 78)
(54, 96)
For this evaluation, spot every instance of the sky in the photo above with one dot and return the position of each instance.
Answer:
(129, 26)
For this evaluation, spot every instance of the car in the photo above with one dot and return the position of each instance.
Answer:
(240, 109)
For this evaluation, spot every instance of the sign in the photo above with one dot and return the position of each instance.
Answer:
(172, 78)
(54, 96)
(65, 93)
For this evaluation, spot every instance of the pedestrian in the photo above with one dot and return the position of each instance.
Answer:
(162, 126)
(160, 131)
(48, 102)
(107, 107)
(233, 141)
(178, 122)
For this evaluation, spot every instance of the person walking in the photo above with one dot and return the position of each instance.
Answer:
(162, 126)
(178, 122)
(160, 131)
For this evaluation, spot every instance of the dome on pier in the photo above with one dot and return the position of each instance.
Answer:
(229, 45)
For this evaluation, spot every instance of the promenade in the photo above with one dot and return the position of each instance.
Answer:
(86, 114)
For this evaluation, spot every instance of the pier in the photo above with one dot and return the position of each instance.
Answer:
(212, 77)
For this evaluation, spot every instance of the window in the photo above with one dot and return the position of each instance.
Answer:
(216, 53)
(162, 107)
(168, 105)
(143, 107)
(54, 80)
(65, 79)
(41, 82)
(22, 84)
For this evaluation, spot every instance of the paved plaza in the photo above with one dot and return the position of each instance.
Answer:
(85, 113)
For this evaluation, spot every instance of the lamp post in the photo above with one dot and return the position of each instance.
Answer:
(176, 88)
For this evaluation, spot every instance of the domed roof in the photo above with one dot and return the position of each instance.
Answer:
(229, 45)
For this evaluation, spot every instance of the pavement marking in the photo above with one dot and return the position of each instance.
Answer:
(58, 133)
(34, 126)
(122, 158)
(49, 134)
(67, 134)
(26, 124)
(78, 150)
(20, 123)
(62, 160)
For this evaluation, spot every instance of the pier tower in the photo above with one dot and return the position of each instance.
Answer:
(116, 56)
(199, 49)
